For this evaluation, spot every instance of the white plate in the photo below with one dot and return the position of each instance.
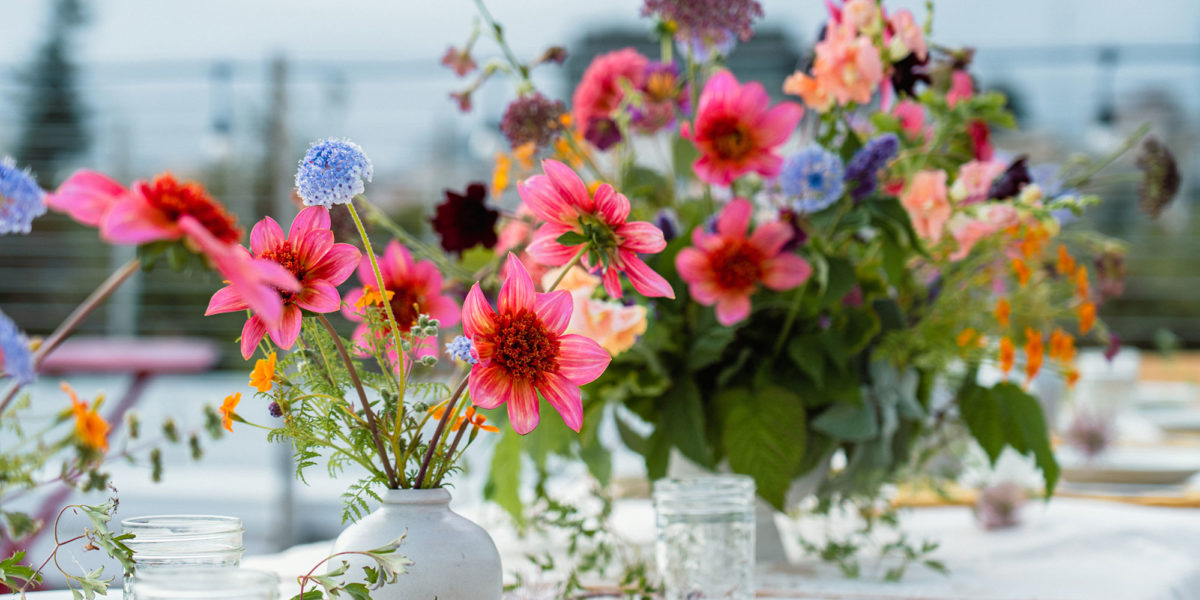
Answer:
(1140, 466)
(1183, 420)
(1153, 396)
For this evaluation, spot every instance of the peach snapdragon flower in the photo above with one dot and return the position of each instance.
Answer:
(611, 324)
(927, 204)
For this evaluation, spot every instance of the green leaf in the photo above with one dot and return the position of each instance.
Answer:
(1006, 415)
(840, 280)
(683, 154)
(807, 354)
(764, 436)
(708, 347)
(504, 478)
(683, 420)
(847, 421)
(571, 238)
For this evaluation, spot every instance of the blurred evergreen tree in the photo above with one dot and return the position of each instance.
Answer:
(54, 119)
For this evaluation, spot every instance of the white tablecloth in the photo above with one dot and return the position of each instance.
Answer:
(1068, 549)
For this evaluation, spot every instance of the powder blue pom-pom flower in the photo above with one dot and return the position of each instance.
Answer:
(21, 200)
(462, 348)
(813, 177)
(15, 359)
(332, 172)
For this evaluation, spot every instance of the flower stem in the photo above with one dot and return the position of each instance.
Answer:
(81, 312)
(393, 483)
(567, 267)
(437, 433)
(498, 34)
(387, 306)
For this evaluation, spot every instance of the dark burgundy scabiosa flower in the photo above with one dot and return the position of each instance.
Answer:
(603, 133)
(463, 221)
(907, 73)
(1113, 348)
(275, 410)
(531, 118)
(1110, 273)
(553, 54)
(1010, 182)
(862, 170)
(799, 235)
(1160, 177)
(714, 20)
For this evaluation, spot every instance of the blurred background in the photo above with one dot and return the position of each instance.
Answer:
(231, 92)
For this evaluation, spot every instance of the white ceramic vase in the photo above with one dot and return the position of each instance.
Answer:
(453, 558)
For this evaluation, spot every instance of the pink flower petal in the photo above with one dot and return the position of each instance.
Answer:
(569, 185)
(644, 279)
(734, 219)
(349, 310)
(225, 300)
(444, 309)
(771, 238)
(611, 206)
(693, 265)
(785, 272)
(641, 237)
(545, 248)
(731, 309)
(312, 246)
(705, 291)
(543, 200)
(309, 219)
(266, 235)
(252, 333)
(564, 397)
(478, 318)
(285, 333)
(131, 220)
(489, 385)
(86, 196)
(397, 263)
(612, 283)
(581, 359)
(777, 124)
(554, 309)
(516, 293)
(523, 407)
(319, 296)
(337, 264)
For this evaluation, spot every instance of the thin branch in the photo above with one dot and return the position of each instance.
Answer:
(437, 433)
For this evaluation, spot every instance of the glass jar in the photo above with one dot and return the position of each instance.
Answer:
(205, 583)
(182, 542)
(705, 545)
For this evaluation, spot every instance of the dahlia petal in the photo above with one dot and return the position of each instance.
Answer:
(312, 246)
(523, 407)
(478, 318)
(311, 218)
(543, 200)
(319, 296)
(546, 250)
(710, 171)
(554, 309)
(580, 359)
(349, 305)
(489, 385)
(288, 329)
(705, 291)
(733, 308)
(644, 279)
(641, 237)
(734, 220)
(337, 264)
(426, 276)
(564, 396)
(397, 263)
(612, 282)
(752, 101)
(766, 164)
(771, 238)
(785, 272)
(266, 235)
(444, 309)
(776, 125)
(252, 333)
(131, 220)
(610, 205)
(273, 273)
(693, 265)
(225, 300)
(569, 185)
(516, 293)
(86, 196)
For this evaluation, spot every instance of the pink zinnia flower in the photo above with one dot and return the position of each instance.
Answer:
(523, 351)
(926, 203)
(562, 200)
(737, 131)
(961, 88)
(152, 211)
(416, 288)
(848, 67)
(599, 92)
(86, 196)
(309, 254)
(725, 268)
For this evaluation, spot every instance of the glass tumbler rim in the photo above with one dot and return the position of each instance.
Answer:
(723, 485)
(196, 525)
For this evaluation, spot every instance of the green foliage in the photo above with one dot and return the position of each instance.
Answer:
(764, 433)
(1005, 415)
(388, 563)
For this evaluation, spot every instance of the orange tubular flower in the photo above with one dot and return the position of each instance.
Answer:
(524, 155)
(1034, 353)
(1022, 271)
(1062, 346)
(91, 428)
(227, 407)
(479, 421)
(1072, 377)
(1087, 316)
(967, 336)
(1066, 262)
(1081, 283)
(1002, 312)
(500, 174)
(1008, 354)
(371, 297)
(263, 376)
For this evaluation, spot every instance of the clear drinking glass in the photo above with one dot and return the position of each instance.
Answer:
(182, 542)
(205, 583)
(705, 546)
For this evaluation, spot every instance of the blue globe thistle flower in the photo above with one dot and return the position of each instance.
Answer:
(16, 361)
(462, 348)
(332, 172)
(813, 177)
(21, 200)
(862, 170)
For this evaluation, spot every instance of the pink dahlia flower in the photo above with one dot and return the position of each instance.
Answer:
(309, 254)
(562, 200)
(725, 268)
(599, 92)
(737, 131)
(86, 196)
(524, 351)
(152, 212)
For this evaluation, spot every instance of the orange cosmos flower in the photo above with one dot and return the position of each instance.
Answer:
(524, 155)
(371, 297)
(1066, 262)
(500, 174)
(1021, 270)
(479, 421)
(1035, 238)
(1062, 346)
(263, 376)
(1081, 283)
(1087, 316)
(91, 428)
(1034, 353)
(230, 403)
(1072, 377)
(1008, 354)
(967, 336)
(1002, 312)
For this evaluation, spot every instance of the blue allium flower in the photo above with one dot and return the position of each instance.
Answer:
(864, 166)
(21, 200)
(15, 359)
(813, 177)
(333, 172)
(462, 348)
